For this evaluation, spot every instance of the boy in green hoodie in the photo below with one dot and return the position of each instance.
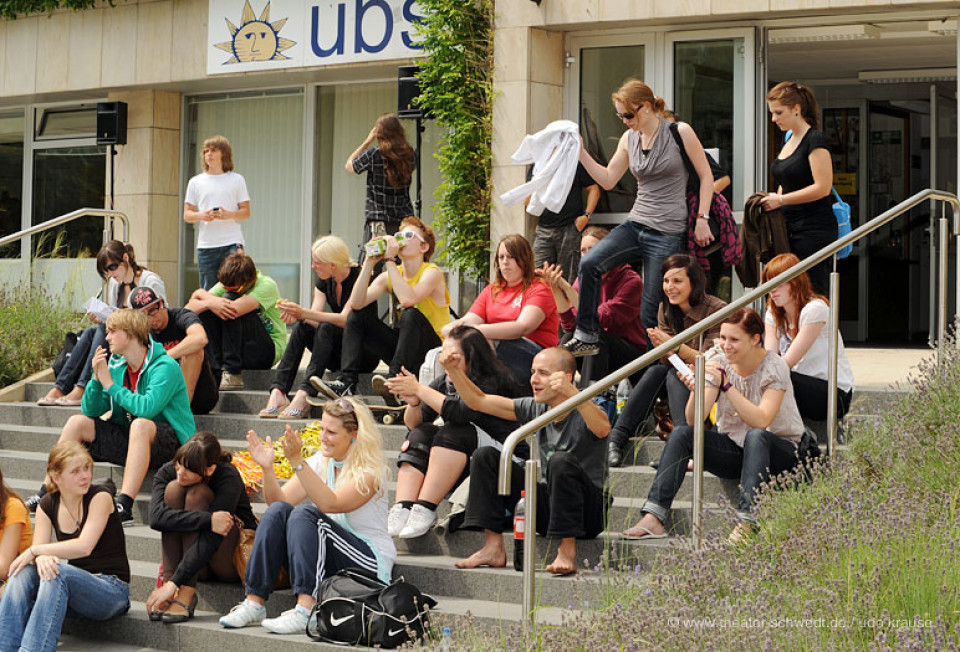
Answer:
(143, 389)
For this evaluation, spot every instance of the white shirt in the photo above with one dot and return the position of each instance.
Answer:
(554, 152)
(207, 191)
(814, 361)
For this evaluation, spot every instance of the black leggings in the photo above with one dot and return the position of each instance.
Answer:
(404, 346)
(811, 395)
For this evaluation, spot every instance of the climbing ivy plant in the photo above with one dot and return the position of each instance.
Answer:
(456, 86)
(14, 8)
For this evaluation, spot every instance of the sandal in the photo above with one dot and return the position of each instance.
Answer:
(271, 411)
(48, 401)
(293, 413)
(173, 618)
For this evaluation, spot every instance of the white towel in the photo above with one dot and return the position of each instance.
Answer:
(554, 152)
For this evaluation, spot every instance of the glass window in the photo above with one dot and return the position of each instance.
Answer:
(66, 123)
(65, 179)
(265, 130)
(11, 178)
(704, 89)
(602, 71)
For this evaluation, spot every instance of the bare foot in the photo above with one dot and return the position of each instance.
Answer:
(299, 401)
(54, 393)
(277, 400)
(566, 562)
(648, 527)
(75, 394)
(486, 556)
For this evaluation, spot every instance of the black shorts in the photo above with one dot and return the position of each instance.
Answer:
(111, 440)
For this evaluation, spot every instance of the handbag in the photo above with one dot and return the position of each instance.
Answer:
(356, 608)
(69, 342)
(241, 555)
(841, 210)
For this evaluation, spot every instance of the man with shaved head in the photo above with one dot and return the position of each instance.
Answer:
(570, 504)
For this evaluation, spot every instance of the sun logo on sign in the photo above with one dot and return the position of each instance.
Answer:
(257, 39)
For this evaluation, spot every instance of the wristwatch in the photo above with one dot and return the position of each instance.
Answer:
(701, 216)
(299, 466)
(587, 214)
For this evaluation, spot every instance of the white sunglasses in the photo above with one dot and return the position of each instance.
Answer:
(408, 234)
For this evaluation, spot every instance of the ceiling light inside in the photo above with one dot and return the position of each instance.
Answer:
(917, 75)
(830, 33)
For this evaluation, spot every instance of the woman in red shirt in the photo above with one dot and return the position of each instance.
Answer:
(517, 311)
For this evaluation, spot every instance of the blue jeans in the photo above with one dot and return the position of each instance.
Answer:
(628, 243)
(78, 368)
(32, 610)
(764, 454)
(208, 263)
(289, 537)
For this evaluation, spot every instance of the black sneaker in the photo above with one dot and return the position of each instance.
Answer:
(126, 517)
(580, 349)
(33, 501)
(334, 389)
(379, 384)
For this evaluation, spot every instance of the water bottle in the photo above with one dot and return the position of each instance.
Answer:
(519, 521)
(445, 643)
(623, 393)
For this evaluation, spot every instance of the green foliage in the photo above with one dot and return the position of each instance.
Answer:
(456, 82)
(14, 8)
(33, 325)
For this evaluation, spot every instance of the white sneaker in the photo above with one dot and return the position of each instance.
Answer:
(291, 621)
(242, 615)
(231, 382)
(420, 521)
(397, 518)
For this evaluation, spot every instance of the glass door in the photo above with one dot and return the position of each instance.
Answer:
(597, 66)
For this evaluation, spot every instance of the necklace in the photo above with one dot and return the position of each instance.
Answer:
(656, 131)
(76, 519)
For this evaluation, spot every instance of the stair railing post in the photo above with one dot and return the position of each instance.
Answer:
(531, 478)
(833, 355)
(698, 419)
(944, 242)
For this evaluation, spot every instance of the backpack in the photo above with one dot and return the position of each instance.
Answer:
(356, 608)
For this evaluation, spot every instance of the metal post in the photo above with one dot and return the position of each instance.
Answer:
(956, 305)
(833, 355)
(530, 537)
(698, 419)
(944, 241)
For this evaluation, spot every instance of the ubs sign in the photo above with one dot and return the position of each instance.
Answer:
(244, 36)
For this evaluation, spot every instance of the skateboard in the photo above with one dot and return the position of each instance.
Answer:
(387, 414)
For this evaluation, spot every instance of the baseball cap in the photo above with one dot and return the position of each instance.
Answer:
(143, 297)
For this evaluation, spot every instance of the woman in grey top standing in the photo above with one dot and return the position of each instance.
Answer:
(657, 223)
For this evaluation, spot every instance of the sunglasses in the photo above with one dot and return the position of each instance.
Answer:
(407, 234)
(236, 289)
(345, 405)
(112, 267)
(150, 311)
(626, 115)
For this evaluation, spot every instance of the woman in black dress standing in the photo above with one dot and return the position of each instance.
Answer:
(803, 172)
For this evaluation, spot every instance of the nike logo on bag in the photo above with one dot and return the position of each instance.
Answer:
(394, 632)
(340, 621)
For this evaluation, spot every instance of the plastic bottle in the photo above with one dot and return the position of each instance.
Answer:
(445, 643)
(623, 393)
(519, 523)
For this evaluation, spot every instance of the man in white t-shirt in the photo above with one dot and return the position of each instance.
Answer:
(217, 201)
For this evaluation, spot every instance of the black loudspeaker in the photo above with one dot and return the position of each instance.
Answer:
(111, 123)
(408, 92)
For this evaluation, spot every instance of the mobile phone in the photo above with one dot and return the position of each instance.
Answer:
(680, 366)
(216, 209)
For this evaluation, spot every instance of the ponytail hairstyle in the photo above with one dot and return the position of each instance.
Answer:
(800, 288)
(749, 321)
(365, 455)
(634, 94)
(113, 252)
(698, 288)
(397, 153)
(6, 493)
(200, 452)
(791, 94)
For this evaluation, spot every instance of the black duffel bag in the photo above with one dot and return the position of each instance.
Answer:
(356, 608)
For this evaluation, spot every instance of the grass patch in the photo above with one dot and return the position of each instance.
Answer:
(864, 557)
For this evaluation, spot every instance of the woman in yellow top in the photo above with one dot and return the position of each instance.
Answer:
(16, 533)
(421, 292)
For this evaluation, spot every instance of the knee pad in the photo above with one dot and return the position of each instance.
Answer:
(416, 454)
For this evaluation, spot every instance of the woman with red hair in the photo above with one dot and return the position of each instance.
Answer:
(795, 328)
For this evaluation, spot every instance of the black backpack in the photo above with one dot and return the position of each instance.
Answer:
(356, 608)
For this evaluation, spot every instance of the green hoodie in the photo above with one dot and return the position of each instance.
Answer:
(161, 393)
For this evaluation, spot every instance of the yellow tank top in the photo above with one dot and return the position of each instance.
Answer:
(438, 316)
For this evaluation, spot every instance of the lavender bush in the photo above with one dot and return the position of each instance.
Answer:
(866, 556)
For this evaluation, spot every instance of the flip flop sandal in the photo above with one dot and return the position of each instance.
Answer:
(293, 413)
(271, 412)
(645, 533)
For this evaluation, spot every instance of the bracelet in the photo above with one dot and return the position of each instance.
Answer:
(781, 199)
(299, 466)
(701, 216)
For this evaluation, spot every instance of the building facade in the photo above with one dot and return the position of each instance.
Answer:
(296, 85)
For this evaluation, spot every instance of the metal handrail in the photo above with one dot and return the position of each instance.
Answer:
(71, 216)
(561, 410)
